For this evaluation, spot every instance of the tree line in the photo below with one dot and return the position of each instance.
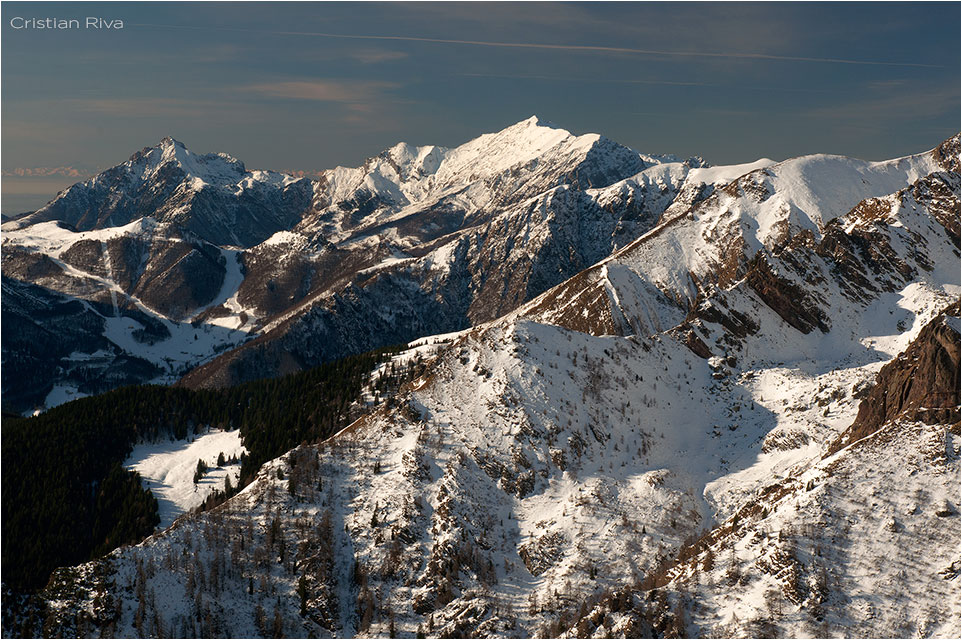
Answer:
(68, 499)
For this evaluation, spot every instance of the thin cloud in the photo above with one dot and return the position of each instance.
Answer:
(377, 56)
(140, 107)
(672, 83)
(730, 113)
(323, 90)
(565, 47)
(363, 104)
(669, 83)
(894, 108)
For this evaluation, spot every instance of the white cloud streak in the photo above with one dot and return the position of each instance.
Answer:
(564, 47)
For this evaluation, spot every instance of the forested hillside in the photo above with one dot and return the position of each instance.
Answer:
(67, 498)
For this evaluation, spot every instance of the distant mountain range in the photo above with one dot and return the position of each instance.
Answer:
(176, 257)
(674, 400)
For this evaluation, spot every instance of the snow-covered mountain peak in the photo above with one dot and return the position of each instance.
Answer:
(535, 121)
(218, 169)
(478, 178)
(494, 152)
(808, 191)
(213, 195)
(536, 148)
(170, 142)
(482, 157)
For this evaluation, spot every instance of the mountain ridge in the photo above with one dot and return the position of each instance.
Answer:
(355, 220)
(642, 443)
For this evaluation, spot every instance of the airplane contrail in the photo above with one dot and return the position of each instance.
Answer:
(560, 47)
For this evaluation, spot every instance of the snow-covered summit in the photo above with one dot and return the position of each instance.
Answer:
(213, 196)
(212, 168)
(483, 175)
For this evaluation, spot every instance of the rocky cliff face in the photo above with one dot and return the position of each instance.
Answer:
(921, 385)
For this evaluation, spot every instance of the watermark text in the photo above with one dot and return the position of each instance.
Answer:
(43, 24)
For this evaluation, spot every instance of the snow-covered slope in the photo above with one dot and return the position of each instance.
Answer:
(552, 466)
(865, 542)
(786, 206)
(140, 292)
(170, 469)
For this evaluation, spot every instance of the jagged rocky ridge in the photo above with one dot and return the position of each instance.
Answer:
(210, 196)
(548, 472)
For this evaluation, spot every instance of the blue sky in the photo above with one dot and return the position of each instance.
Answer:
(307, 86)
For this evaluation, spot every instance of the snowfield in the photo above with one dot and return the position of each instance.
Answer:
(167, 469)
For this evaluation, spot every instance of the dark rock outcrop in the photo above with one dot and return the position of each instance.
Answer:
(785, 298)
(922, 384)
